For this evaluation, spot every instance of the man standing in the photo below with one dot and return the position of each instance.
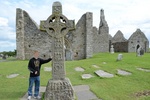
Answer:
(34, 67)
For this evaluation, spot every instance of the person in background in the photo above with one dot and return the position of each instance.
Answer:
(34, 67)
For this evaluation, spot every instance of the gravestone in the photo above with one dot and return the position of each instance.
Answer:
(79, 69)
(142, 51)
(120, 56)
(12, 75)
(103, 74)
(112, 49)
(138, 51)
(86, 76)
(57, 26)
(4, 57)
(123, 72)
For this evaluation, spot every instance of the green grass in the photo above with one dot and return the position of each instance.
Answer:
(116, 88)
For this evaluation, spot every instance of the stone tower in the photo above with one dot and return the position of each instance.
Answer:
(89, 35)
(104, 33)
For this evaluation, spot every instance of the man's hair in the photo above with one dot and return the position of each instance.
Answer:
(35, 51)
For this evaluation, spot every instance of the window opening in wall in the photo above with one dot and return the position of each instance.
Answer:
(44, 55)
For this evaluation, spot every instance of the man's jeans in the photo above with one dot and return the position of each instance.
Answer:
(33, 80)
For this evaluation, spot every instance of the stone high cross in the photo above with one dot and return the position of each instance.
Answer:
(57, 25)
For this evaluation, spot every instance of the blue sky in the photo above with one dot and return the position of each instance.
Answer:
(124, 15)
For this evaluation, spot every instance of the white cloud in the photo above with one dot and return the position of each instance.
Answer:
(3, 21)
(7, 46)
(124, 15)
(7, 33)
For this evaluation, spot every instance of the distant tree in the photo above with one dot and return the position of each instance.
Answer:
(9, 53)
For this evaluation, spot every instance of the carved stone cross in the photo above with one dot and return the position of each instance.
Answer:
(57, 25)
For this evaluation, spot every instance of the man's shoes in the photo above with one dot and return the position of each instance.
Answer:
(29, 97)
(37, 97)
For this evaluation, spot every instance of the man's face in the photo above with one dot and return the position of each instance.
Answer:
(36, 54)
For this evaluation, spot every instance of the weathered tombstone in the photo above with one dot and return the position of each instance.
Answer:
(104, 74)
(4, 57)
(138, 51)
(112, 49)
(142, 51)
(120, 56)
(57, 25)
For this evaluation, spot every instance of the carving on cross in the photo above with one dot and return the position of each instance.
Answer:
(57, 25)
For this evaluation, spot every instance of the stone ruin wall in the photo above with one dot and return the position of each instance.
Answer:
(20, 34)
(120, 46)
(82, 37)
(101, 35)
(31, 38)
(78, 39)
(138, 38)
(78, 43)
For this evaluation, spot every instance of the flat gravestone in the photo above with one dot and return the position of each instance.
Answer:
(86, 76)
(47, 69)
(95, 66)
(83, 93)
(12, 75)
(79, 69)
(104, 74)
(123, 72)
(143, 69)
(104, 63)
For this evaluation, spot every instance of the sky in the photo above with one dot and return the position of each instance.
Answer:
(124, 15)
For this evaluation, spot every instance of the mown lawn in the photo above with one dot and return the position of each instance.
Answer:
(116, 88)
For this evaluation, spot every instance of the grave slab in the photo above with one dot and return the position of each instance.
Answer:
(79, 69)
(123, 72)
(86, 76)
(47, 69)
(95, 66)
(142, 69)
(104, 74)
(12, 75)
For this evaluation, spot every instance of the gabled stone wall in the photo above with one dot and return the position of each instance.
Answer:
(32, 39)
(138, 39)
(29, 38)
(82, 37)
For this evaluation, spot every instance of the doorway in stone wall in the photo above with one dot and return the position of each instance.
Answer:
(68, 53)
(137, 47)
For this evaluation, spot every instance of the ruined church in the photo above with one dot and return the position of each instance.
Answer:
(80, 43)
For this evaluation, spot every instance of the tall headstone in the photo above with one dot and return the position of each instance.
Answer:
(57, 25)
(112, 49)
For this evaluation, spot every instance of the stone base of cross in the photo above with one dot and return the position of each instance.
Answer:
(59, 90)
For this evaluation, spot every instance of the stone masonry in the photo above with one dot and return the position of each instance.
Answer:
(138, 39)
(80, 43)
